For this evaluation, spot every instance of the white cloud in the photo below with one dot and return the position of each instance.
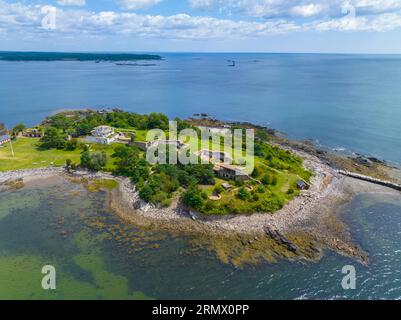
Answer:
(296, 8)
(377, 6)
(307, 10)
(73, 22)
(71, 2)
(137, 4)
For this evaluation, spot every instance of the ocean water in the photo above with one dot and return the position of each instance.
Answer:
(338, 101)
(98, 257)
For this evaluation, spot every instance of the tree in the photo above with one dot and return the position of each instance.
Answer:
(146, 193)
(93, 161)
(60, 121)
(85, 158)
(18, 129)
(53, 139)
(129, 163)
(193, 198)
(218, 189)
(98, 161)
(243, 194)
(68, 163)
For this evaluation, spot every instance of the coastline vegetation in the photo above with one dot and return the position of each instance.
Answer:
(272, 184)
(97, 185)
(64, 56)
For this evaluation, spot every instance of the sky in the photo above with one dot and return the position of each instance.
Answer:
(319, 26)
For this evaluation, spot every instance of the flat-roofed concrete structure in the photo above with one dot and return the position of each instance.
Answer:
(231, 172)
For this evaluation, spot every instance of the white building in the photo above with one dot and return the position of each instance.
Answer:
(104, 135)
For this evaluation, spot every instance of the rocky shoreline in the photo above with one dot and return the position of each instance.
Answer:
(302, 229)
(314, 215)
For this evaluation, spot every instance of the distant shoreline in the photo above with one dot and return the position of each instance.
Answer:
(63, 56)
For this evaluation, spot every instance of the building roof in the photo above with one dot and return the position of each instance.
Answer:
(230, 167)
(301, 184)
(103, 128)
(227, 186)
(103, 131)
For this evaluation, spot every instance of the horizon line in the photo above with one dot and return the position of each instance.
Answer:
(204, 52)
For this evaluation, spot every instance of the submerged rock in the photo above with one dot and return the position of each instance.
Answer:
(278, 237)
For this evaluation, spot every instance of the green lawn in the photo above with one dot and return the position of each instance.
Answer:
(29, 156)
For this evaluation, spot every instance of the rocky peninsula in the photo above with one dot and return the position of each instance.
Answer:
(301, 229)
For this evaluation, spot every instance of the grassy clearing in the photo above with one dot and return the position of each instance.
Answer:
(97, 185)
(28, 155)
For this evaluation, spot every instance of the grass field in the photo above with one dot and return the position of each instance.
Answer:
(29, 156)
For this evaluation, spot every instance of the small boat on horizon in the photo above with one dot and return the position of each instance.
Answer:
(137, 64)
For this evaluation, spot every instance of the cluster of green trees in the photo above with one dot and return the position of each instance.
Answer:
(130, 162)
(166, 180)
(80, 126)
(160, 183)
(19, 128)
(160, 186)
(94, 161)
(53, 138)
(195, 198)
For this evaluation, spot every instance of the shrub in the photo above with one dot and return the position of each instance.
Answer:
(266, 180)
(260, 189)
(256, 172)
(255, 197)
(146, 193)
(161, 198)
(218, 189)
(71, 145)
(243, 194)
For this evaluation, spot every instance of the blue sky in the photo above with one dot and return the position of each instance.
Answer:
(357, 26)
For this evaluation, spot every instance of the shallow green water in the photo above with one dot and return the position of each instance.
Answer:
(98, 257)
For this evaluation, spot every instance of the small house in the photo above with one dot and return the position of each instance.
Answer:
(302, 185)
(231, 172)
(33, 133)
